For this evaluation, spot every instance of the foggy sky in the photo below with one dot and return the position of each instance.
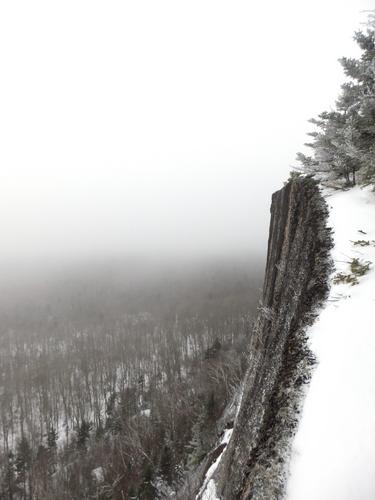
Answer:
(157, 127)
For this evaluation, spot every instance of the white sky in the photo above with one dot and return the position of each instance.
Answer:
(157, 126)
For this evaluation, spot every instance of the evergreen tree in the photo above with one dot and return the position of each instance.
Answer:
(166, 464)
(345, 141)
(148, 490)
(23, 463)
(211, 406)
(110, 412)
(83, 434)
(9, 481)
(52, 437)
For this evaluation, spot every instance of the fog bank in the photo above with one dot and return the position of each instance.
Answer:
(157, 128)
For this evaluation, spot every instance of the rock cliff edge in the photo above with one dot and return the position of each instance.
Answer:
(280, 362)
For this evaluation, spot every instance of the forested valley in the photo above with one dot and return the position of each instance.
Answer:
(113, 375)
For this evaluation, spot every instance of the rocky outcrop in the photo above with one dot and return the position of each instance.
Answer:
(296, 283)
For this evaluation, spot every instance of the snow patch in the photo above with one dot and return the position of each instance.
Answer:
(98, 474)
(333, 451)
(208, 490)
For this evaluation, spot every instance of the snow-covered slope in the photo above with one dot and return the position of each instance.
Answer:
(333, 456)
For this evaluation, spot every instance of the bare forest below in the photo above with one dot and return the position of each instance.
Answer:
(113, 374)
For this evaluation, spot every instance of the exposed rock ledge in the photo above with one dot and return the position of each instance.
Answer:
(296, 284)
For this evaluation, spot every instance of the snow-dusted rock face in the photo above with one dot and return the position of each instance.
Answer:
(253, 465)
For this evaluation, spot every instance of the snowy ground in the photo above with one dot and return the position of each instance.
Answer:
(208, 490)
(333, 456)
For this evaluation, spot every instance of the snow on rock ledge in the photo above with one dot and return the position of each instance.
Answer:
(333, 452)
(208, 490)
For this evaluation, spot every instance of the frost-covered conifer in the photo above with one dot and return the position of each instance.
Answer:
(345, 141)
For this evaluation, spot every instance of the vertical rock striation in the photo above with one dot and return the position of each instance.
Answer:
(296, 284)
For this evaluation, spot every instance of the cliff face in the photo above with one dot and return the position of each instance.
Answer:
(296, 283)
